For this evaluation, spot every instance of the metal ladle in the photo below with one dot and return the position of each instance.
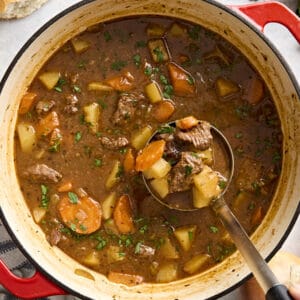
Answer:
(271, 286)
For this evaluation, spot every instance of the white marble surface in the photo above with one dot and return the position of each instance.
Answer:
(14, 33)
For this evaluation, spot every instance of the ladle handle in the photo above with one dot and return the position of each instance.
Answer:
(263, 274)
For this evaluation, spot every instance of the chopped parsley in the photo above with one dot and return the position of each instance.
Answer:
(73, 197)
(143, 229)
(191, 235)
(59, 86)
(45, 197)
(107, 36)
(194, 32)
(238, 135)
(137, 248)
(137, 60)
(222, 184)
(98, 162)
(190, 80)
(213, 229)
(55, 146)
(102, 103)
(101, 243)
(118, 65)
(166, 129)
(78, 136)
(148, 70)
(140, 44)
(188, 170)
(76, 89)
(120, 172)
(159, 54)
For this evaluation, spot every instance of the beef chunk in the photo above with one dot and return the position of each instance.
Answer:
(200, 135)
(171, 153)
(114, 143)
(44, 106)
(126, 108)
(71, 107)
(42, 173)
(182, 173)
(54, 237)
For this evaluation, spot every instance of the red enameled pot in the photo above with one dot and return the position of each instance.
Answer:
(240, 25)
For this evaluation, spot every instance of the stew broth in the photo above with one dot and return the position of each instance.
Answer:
(89, 112)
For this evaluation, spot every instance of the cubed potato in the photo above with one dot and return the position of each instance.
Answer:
(79, 45)
(153, 92)
(114, 254)
(113, 176)
(100, 87)
(206, 156)
(39, 213)
(49, 79)
(108, 205)
(207, 184)
(167, 272)
(92, 115)
(158, 170)
(219, 53)
(196, 263)
(27, 137)
(178, 30)
(168, 250)
(110, 227)
(140, 137)
(154, 29)
(226, 87)
(185, 236)
(158, 50)
(160, 186)
(199, 200)
(92, 259)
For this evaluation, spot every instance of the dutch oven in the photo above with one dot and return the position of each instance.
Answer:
(241, 26)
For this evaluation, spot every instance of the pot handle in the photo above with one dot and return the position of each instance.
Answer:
(266, 12)
(28, 288)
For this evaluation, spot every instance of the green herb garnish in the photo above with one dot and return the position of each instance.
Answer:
(107, 36)
(98, 162)
(188, 170)
(45, 197)
(73, 197)
(166, 129)
(137, 60)
(118, 65)
(213, 229)
(78, 136)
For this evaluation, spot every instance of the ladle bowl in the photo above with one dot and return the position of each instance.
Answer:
(272, 288)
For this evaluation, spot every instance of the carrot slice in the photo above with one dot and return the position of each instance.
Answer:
(82, 215)
(123, 215)
(129, 161)
(65, 187)
(26, 103)
(123, 278)
(163, 110)
(122, 83)
(47, 124)
(149, 155)
(182, 81)
(187, 122)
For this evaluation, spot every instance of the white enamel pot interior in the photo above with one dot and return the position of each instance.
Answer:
(281, 215)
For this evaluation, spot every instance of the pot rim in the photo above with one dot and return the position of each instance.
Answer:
(82, 3)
